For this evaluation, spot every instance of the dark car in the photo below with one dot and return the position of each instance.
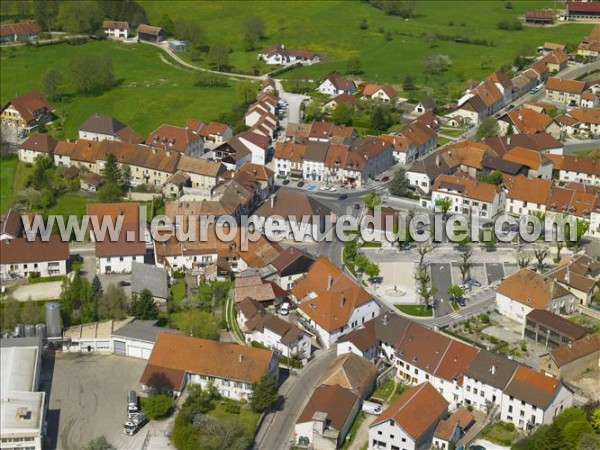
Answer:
(284, 182)
(473, 282)
(511, 106)
(357, 206)
(343, 197)
(384, 179)
(300, 183)
(124, 283)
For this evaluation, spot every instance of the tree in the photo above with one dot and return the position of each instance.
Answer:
(198, 323)
(91, 72)
(540, 255)
(399, 184)
(45, 13)
(191, 32)
(455, 292)
(423, 250)
(434, 64)
(109, 193)
(465, 263)
(79, 17)
(246, 91)
(143, 306)
(31, 314)
(206, 79)
(372, 200)
(100, 443)
(313, 111)
(595, 418)
(364, 24)
(381, 118)
(111, 172)
(488, 128)
(444, 204)
(157, 406)
(166, 24)
(11, 314)
(486, 62)
(353, 65)
(424, 287)
(372, 270)
(218, 56)
(559, 246)
(264, 394)
(409, 83)
(254, 30)
(523, 260)
(51, 84)
(581, 228)
(495, 177)
(510, 130)
(112, 303)
(343, 114)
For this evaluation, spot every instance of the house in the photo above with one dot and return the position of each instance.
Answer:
(116, 29)
(571, 204)
(425, 105)
(582, 10)
(91, 182)
(520, 293)
(342, 99)
(136, 339)
(526, 195)
(258, 145)
(268, 85)
(484, 99)
(271, 331)
(551, 330)
(589, 100)
(27, 111)
(290, 265)
(413, 141)
(410, 421)
(327, 417)
(192, 255)
(173, 187)
(11, 225)
(331, 303)
(538, 164)
(351, 372)
(542, 142)
(100, 127)
(19, 31)
(549, 47)
(539, 16)
(116, 254)
(264, 292)
(288, 160)
(92, 337)
(155, 279)
(486, 379)
(581, 121)
(531, 399)
(293, 215)
(176, 139)
(21, 257)
(334, 84)
(524, 82)
(556, 61)
(578, 274)
(580, 169)
(589, 47)
(384, 93)
(570, 361)
(150, 33)
(36, 145)
(277, 54)
(313, 167)
(452, 429)
(527, 121)
(566, 92)
(230, 368)
(202, 173)
(424, 171)
(234, 153)
(215, 132)
(468, 196)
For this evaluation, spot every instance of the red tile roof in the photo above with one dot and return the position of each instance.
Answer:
(21, 250)
(27, 104)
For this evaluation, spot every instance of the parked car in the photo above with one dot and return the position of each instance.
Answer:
(300, 183)
(342, 197)
(357, 206)
(510, 107)
(473, 282)
(385, 179)
(284, 310)
(332, 189)
(285, 182)
(124, 283)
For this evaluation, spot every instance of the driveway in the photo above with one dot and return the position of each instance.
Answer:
(88, 399)
(294, 101)
(276, 431)
(38, 291)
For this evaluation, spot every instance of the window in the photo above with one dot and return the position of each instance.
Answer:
(510, 409)
(475, 391)
(379, 432)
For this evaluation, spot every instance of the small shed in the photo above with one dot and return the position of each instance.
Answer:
(146, 276)
(91, 182)
(177, 46)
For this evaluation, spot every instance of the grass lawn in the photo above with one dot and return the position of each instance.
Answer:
(415, 310)
(500, 433)
(454, 306)
(586, 321)
(331, 28)
(248, 417)
(442, 141)
(385, 390)
(47, 279)
(148, 94)
(360, 417)
(71, 204)
(8, 166)
(371, 245)
(231, 322)
(591, 152)
(454, 132)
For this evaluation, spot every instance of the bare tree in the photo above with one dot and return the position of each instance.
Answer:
(540, 255)
(465, 263)
(423, 250)
(523, 260)
(425, 290)
(559, 246)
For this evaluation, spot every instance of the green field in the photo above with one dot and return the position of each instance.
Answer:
(7, 172)
(149, 91)
(331, 28)
(415, 310)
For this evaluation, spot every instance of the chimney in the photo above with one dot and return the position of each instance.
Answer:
(329, 281)
(570, 345)
(508, 140)
(273, 201)
(385, 319)
(493, 370)
(437, 160)
(343, 300)
(241, 357)
(568, 275)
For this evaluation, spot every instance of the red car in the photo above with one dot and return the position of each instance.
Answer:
(384, 179)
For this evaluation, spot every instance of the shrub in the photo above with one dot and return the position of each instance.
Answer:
(157, 406)
(232, 408)
(470, 408)
(510, 25)
(485, 319)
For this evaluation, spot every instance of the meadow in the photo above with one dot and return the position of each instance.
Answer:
(332, 28)
(148, 93)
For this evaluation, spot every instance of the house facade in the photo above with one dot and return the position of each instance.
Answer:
(23, 258)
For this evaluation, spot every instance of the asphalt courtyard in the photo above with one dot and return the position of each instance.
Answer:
(88, 399)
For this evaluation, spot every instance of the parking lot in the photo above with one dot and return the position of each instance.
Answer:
(88, 399)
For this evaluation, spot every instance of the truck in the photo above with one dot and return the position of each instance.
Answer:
(134, 423)
(372, 408)
(132, 403)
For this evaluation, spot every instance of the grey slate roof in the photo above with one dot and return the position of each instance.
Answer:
(492, 369)
(143, 330)
(145, 276)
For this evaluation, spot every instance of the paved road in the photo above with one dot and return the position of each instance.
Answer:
(277, 429)
(495, 272)
(441, 279)
(585, 145)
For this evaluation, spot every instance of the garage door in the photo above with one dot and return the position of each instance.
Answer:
(134, 351)
(146, 353)
(120, 347)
